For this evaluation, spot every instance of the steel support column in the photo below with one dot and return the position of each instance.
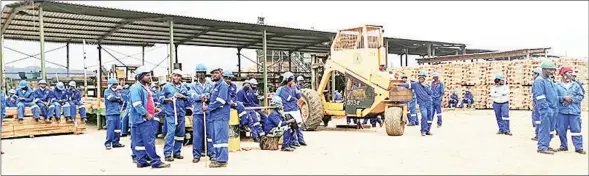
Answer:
(99, 83)
(42, 44)
(239, 62)
(142, 55)
(67, 58)
(176, 52)
(406, 59)
(401, 59)
(172, 48)
(290, 61)
(264, 48)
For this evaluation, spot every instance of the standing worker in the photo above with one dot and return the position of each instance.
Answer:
(535, 116)
(290, 94)
(500, 95)
(76, 103)
(42, 97)
(60, 100)
(412, 114)
(113, 102)
(200, 93)
(545, 101)
(228, 75)
(219, 116)
(438, 93)
(423, 93)
(570, 97)
(141, 114)
(2, 110)
(25, 99)
(126, 106)
(174, 105)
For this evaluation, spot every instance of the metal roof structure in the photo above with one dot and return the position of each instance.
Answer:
(490, 55)
(72, 23)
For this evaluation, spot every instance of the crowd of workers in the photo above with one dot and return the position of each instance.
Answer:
(210, 98)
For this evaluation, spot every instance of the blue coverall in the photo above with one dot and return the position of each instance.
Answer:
(501, 108)
(113, 104)
(468, 99)
(126, 106)
(581, 85)
(3, 101)
(424, 100)
(453, 102)
(197, 92)
(275, 119)
(232, 91)
(28, 96)
(175, 121)
(11, 100)
(546, 100)
(60, 100)
(412, 114)
(535, 121)
(142, 132)
(42, 100)
(219, 116)
(570, 114)
(437, 95)
(249, 99)
(289, 98)
(75, 97)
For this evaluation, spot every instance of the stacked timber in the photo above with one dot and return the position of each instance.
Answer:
(478, 77)
(29, 127)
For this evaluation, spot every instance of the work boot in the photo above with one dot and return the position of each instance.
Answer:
(439, 126)
(303, 144)
(47, 121)
(212, 159)
(163, 165)
(118, 146)
(429, 134)
(2, 153)
(582, 152)
(108, 147)
(508, 133)
(552, 149)
(296, 145)
(422, 134)
(123, 135)
(37, 120)
(499, 132)
(562, 149)
(217, 165)
(179, 157)
(535, 138)
(169, 158)
(287, 149)
(545, 152)
(195, 160)
(134, 161)
(143, 165)
(410, 124)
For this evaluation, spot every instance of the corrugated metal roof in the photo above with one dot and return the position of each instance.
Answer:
(69, 22)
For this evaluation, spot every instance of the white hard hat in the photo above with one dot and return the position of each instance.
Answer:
(300, 78)
(177, 72)
(253, 81)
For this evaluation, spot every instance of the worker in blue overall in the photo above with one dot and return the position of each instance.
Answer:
(578, 82)
(453, 102)
(438, 90)
(249, 98)
(125, 128)
(290, 94)
(42, 100)
(200, 94)
(76, 103)
(11, 99)
(412, 119)
(276, 126)
(300, 81)
(156, 90)
(467, 99)
(253, 96)
(535, 116)
(25, 99)
(228, 75)
(570, 97)
(500, 95)
(546, 103)
(219, 116)
(3, 100)
(174, 93)
(112, 102)
(141, 113)
(423, 92)
(60, 101)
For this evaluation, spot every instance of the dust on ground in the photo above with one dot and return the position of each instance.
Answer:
(466, 144)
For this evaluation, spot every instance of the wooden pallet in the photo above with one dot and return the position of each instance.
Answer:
(11, 128)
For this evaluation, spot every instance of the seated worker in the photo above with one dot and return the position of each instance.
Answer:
(25, 99)
(275, 125)
(453, 102)
(42, 97)
(112, 102)
(249, 99)
(75, 97)
(468, 99)
(11, 99)
(60, 100)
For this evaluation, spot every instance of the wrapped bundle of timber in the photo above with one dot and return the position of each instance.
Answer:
(29, 127)
(476, 74)
(494, 69)
(480, 94)
(520, 73)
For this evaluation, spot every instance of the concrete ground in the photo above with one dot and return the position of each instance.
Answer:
(466, 144)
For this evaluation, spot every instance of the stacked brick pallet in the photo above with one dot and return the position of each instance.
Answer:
(478, 78)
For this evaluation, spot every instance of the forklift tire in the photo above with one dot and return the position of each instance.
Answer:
(394, 123)
(312, 110)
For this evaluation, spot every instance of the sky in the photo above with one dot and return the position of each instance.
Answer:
(495, 25)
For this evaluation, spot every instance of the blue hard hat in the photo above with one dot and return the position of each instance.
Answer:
(276, 100)
(72, 84)
(12, 91)
(140, 71)
(23, 84)
(201, 68)
(60, 86)
(112, 81)
(500, 76)
(43, 82)
(228, 74)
